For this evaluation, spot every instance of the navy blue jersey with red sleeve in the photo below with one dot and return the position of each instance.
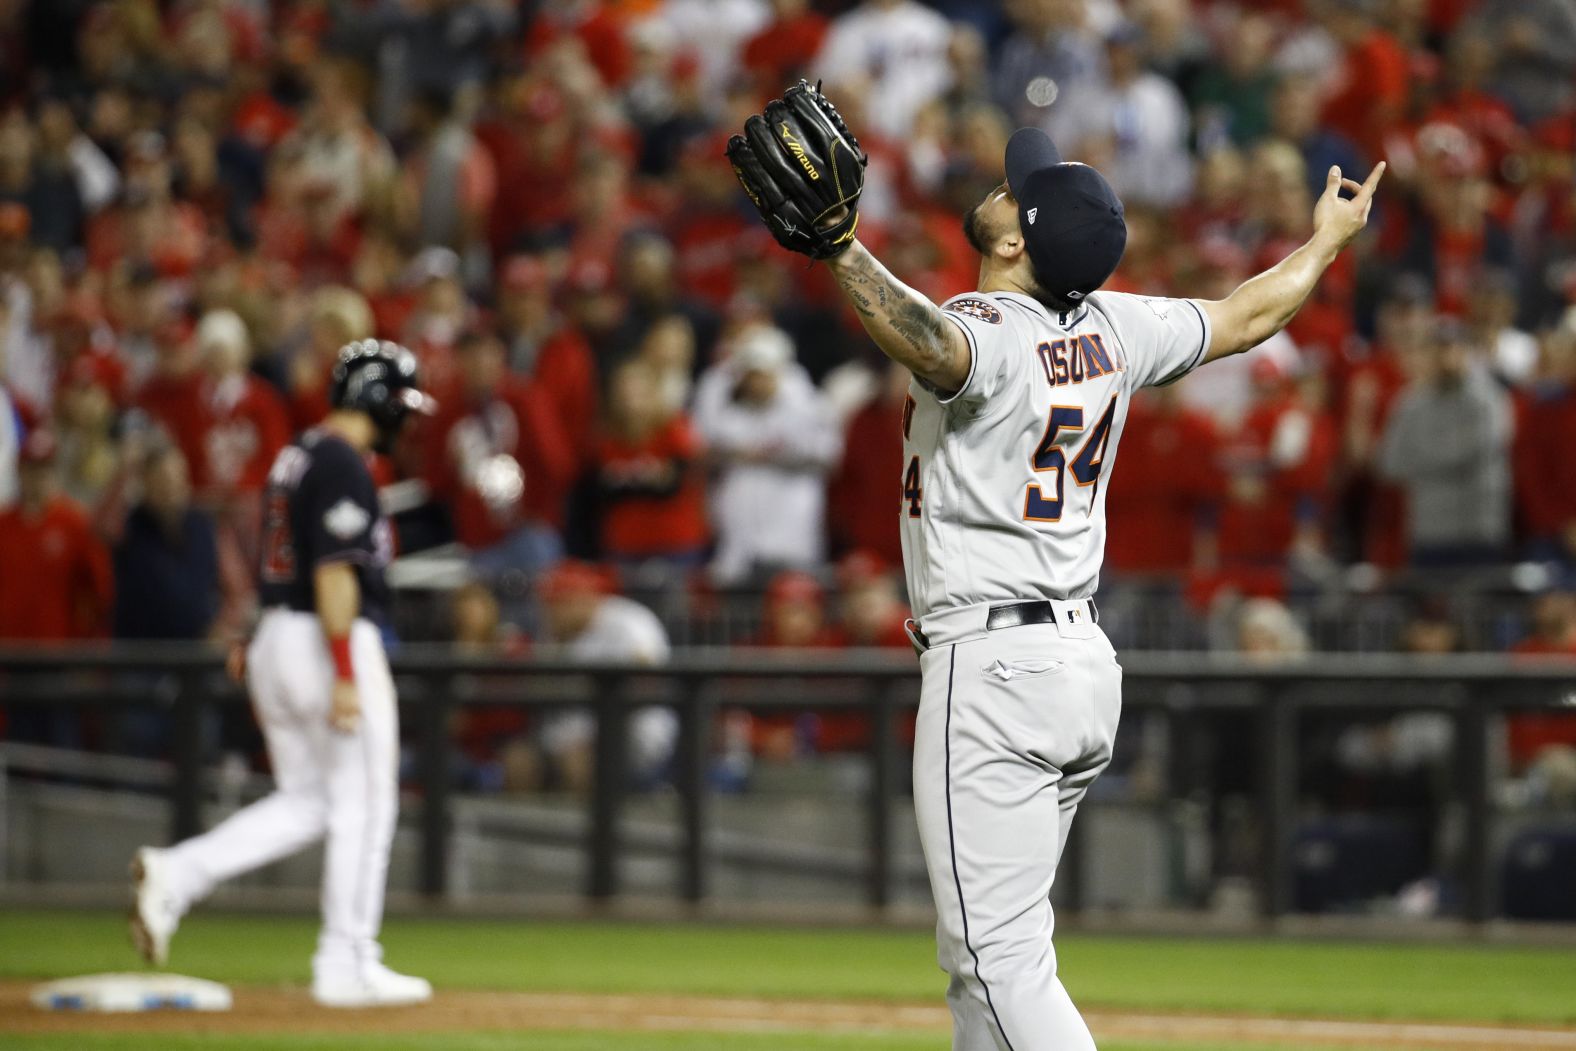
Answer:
(321, 505)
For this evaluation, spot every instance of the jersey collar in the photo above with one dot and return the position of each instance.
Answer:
(1066, 319)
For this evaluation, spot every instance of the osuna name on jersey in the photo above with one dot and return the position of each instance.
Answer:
(1004, 481)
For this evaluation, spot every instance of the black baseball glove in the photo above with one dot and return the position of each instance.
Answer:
(801, 166)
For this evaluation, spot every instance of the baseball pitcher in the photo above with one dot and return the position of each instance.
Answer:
(321, 687)
(1011, 430)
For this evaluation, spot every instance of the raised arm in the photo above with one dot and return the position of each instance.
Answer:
(803, 170)
(909, 329)
(1263, 305)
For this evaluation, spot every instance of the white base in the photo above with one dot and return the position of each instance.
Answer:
(132, 992)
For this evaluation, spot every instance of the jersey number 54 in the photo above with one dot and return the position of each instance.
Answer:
(1043, 500)
(1066, 422)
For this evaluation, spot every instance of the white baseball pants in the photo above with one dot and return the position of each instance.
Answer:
(340, 786)
(1014, 725)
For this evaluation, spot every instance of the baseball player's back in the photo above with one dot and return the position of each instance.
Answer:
(322, 503)
(1005, 480)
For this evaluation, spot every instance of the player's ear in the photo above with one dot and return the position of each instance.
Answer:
(1009, 246)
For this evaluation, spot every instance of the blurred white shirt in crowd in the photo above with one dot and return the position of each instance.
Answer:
(1224, 391)
(621, 631)
(1136, 134)
(1515, 356)
(27, 361)
(899, 50)
(716, 31)
(768, 498)
(9, 448)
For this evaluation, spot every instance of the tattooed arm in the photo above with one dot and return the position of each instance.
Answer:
(909, 329)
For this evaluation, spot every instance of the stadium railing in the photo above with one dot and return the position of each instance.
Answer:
(433, 681)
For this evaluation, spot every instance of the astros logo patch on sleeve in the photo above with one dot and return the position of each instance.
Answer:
(976, 308)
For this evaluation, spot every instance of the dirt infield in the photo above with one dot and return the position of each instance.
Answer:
(289, 1010)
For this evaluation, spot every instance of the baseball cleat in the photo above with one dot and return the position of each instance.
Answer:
(155, 914)
(369, 985)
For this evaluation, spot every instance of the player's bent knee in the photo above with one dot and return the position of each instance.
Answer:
(1032, 958)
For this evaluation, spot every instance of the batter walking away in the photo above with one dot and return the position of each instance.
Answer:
(321, 687)
(1020, 392)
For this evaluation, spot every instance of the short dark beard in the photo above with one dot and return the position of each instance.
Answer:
(972, 231)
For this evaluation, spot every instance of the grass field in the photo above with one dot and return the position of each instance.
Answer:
(1466, 983)
(538, 1041)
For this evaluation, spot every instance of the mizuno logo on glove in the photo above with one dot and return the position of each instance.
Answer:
(798, 151)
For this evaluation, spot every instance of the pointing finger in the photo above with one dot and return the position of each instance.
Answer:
(1372, 182)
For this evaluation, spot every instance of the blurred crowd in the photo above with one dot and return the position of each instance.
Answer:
(201, 200)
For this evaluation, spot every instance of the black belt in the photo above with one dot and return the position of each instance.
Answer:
(1012, 615)
(1018, 614)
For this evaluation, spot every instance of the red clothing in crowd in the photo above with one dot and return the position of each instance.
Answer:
(1544, 465)
(482, 731)
(262, 120)
(183, 236)
(516, 421)
(230, 431)
(537, 178)
(315, 257)
(1380, 379)
(831, 731)
(98, 366)
(1487, 119)
(599, 31)
(706, 245)
(565, 373)
(864, 497)
(1324, 334)
(778, 734)
(229, 435)
(1372, 91)
(1291, 482)
(1528, 733)
(641, 524)
(55, 577)
(1458, 261)
(171, 401)
(245, 424)
(1168, 475)
(307, 401)
(785, 49)
(1445, 15)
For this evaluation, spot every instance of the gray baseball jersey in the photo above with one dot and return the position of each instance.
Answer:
(1004, 482)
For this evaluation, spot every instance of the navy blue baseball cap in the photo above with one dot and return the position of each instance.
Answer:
(1072, 221)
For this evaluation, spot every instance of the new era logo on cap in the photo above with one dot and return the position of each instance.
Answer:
(1081, 243)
